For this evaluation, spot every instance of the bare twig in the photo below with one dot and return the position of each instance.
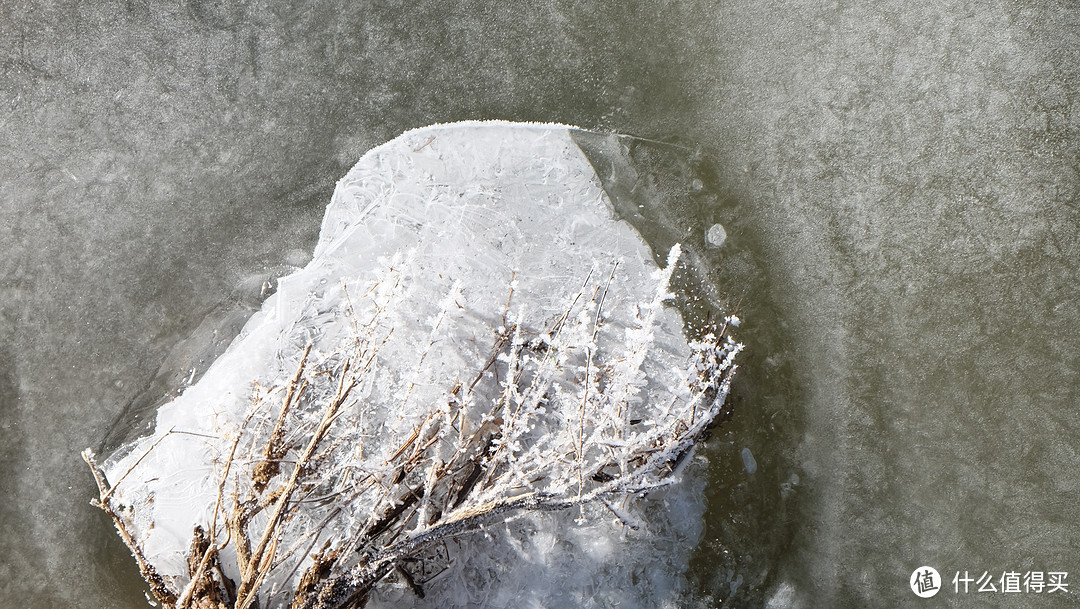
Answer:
(164, 594)
(541, 437)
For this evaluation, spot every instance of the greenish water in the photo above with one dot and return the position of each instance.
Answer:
(897, 181)
(671, 193)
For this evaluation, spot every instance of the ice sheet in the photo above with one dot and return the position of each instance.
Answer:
(446, 214)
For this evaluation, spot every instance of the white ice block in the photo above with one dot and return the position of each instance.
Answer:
(448, 217)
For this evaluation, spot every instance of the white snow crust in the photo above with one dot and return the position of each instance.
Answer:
(442, 220)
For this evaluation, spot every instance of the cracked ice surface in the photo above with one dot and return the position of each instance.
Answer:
(457, 211)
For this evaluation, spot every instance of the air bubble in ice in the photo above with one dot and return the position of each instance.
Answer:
(749, 463)
(716, 235)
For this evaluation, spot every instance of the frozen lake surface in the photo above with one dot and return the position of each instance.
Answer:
(896, 183)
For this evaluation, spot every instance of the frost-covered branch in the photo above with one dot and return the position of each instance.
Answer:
(560, 414)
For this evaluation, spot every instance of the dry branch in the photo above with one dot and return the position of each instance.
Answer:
(564, 424)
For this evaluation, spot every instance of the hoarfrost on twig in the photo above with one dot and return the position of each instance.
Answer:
(566, 426)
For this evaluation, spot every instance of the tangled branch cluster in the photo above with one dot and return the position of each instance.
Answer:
(316, 504)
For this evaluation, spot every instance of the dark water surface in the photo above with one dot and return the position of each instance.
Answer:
(898, 181)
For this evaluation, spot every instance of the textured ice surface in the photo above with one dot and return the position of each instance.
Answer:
(445, 217)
